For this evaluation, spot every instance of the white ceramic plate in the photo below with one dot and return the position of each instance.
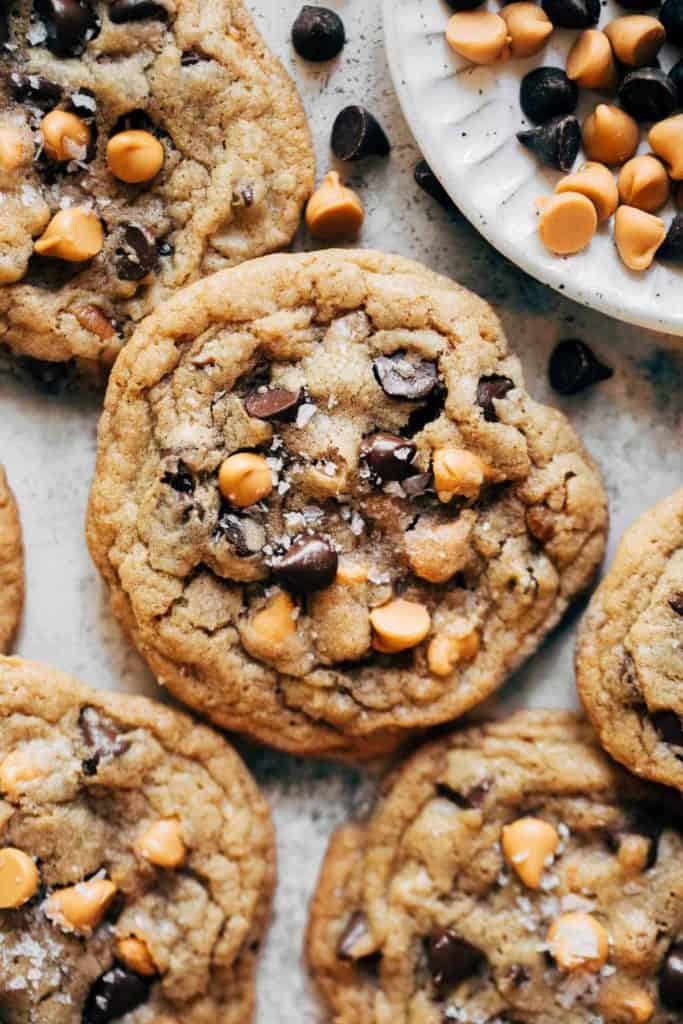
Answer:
(465, 118)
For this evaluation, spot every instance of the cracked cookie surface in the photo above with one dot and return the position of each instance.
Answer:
(11, 565)
(629, 662)
(136, 860)
(212, 104)
(509, 873)
(326, 507)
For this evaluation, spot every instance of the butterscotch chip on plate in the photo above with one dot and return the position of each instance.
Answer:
(415, 493)
(11, 565)
(629, 662)
(510, 872)
(136, 860)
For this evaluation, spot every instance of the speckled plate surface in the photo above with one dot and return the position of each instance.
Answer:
(465, 119)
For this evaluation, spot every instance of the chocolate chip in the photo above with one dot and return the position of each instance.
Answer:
(356, 929)
(102, 736)
(676, 76)
(648, 94)
(676, 602)
(490, 388)
(572, 13)
(137, 254)
(189, 58)
(244, 533)
(416, 486)
(429, 183)
(135, 120)
(547, 92)
(34, 90)
(165, 248)
(388, 457)
(121, 11)
(318, 33)
(273, 404)
(180, 480)
(672, 246)
(555, 143)
(671, 17)
(668, 725)
(357, 134)
(403, 376)
(4, 25)
(451, 959)
(70, 24)
(310, 564)
(114, 994)
(671, 978)
(573, 367)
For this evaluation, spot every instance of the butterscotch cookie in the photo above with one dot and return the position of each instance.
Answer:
(629, 662)
(11, 565)
(136, 860)
(509, 873)
(143, 144)
(326, 507)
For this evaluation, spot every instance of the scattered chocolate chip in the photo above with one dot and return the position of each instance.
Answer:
(489, 389)
(572, 13)
(555, 143)
(70, 24)
(668, 725)
(114, 994)
(137, 255)
(671, 17)
(34, 90)
(671, 978)
(102, 736)
(181, 480)
(403, 376)
(676, 602)
(356, 929)
(273, 404)
(428, 181)
(357, 134)
(416, 486)
(121, 11)
(189, 58)
(672, 246)
(451, 959)
(310, 564)
(547, 92)
(244, 533)
(648, 94)
(318, 33)
(388, 457)
(573, 367)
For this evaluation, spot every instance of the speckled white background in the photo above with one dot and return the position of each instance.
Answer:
(633, 425)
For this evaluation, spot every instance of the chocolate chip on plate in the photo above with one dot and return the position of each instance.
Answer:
(70, 24)
(672, 246)
(676, 602)
(273, 404)
(357, 134)
(671, 978)
(356, 929)
(668, 725)
(547, 92)
(573, 367)
(451, 959)
(137, 254)
(402, 376)
(121, 11)
(318, 33)
(34, 90)
(490, 388)
(555, 143)
(648, 94)
(309, 565)
(671, 17)
(429, 183)
(572, 13)
(114, 994)
(389, 457)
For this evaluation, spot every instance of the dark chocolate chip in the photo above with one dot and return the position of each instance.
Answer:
(318, 33)
(429, 183)
(648, 94)
(490, 388)
(310, 564)
(676, 76)
(70, 24)
(389, 457)
(181, 479)
(34, 90)
(473, 797)
(555, 143)
(671, 978)
(671, 17)
(165, 248)
(416, 486)
(4, 24)
(356, 929)
(676, 602)
(102, 736)
(273, 404)
(121, 11)
(244, 533)
(545, 93)
(573, 367)
(572, 13)
(189, 58)
(668, 725)
(137, 255)
(402, 376)
(451, 958)
(114, 994)
(357, 134)
(672, 246)
(135, 120)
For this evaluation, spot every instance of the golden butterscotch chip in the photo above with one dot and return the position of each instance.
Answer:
(591, 61)
(666, 139)
(334, 211)
(245, 478)
(578, 941)
(134, 156)
(457, 472)
(644, 183)
(529, 27)
(636, 38)
(610, 135)
(527, 844)
(567, 223)
(16, 769)
(276, 621)
(81, 907)
(596, 182)
(624, 1002)
(448, 649)
(65, 136)
(638, 235)
(74, 234)
(12, 148)
(349, 572)
(162, 843)
(19, 878)
(399, 625)
(633, 854)
(480, 36)
(134, 953)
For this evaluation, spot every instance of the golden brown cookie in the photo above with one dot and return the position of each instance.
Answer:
(11, 565)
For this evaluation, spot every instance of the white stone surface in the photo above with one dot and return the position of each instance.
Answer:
(633, 425)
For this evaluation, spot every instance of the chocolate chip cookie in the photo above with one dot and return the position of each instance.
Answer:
(326, 507)
(136, 860)
(11, 565)
(629, 663)
(143, 144)
(509, 873)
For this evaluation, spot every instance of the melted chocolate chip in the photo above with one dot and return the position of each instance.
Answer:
(401, 376)
(356, 133)
(676, 602)
(318, 33)
(189, 58)
(490, 388)
(121, 11)
(425, 413)
(50, 273)
(356, 929)
(273, 404)
(34, 90)
(309, 565)
(137, 256)
(451, 959)
(70, 24)
(102, 736)
(388, 457)
(244, 533)
(668, 725)
(181, 480)
(573, 367)
(671, 978)
(114, 994)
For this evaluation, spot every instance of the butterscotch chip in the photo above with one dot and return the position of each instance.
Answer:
(666, 139)
(644, 183)
(590, 62)
(567, 223)
(636, 38)
(276, 621)
(334, 211)
(578, 941)
(529, 27)
(134, 156)
(134, 953)
(19, 878)
(13, 150)
(610, 136)
(16, 769)
(398, 625)
(457, 472)
(625, 1002)
(460, 643)
(596, 182)
(74, 234)
(528, 843)
(81, 907)
(244, 479)
(638, 235)
(482, 37)
(65, 136)
(162, 844)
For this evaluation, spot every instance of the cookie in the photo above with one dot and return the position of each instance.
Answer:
(327, 509)
(137, 860)
(143, 144)
(509, 873)
(629, 659)
(11, 565)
